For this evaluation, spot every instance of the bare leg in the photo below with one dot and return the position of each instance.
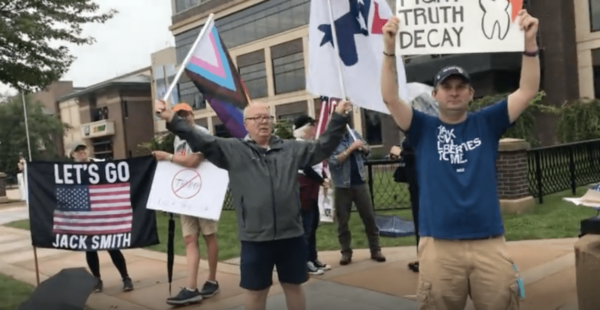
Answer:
(257, 300)
(212, 249)
(192, 254)
(294, 296)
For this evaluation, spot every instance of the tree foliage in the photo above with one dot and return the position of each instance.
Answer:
(525, 126)
(163, 142)
(283, 129)
(578, 120)
(29, 29)
(44, 129)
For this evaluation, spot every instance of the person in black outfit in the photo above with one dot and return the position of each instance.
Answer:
(79, 154)
(408, 156)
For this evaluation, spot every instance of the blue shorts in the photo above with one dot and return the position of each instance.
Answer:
(257, 260)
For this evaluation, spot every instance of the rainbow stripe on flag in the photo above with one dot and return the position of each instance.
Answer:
(214, 74)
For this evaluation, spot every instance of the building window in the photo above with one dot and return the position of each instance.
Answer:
(182, 5)
(189, 94)
(291, 110)
(372, 131)
(103, 148)
(288, 67)
(260, 21)
(594, 14)
(254, 73)
(289, 117)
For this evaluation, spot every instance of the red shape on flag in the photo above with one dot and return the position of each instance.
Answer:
(378, 22)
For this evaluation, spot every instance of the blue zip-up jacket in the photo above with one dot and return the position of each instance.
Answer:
(340, 172)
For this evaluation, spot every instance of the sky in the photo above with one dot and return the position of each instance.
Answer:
(123, 44)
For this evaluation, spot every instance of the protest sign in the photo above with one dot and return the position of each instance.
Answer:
(326, 207)
(198, 192)
(458, 26)
(91, 206)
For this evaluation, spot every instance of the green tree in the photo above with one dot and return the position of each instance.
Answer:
(44, 129)
(29, 60)
(283, 129)
(525, 126)
(163, 142)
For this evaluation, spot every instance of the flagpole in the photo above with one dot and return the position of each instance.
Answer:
(35, 258)
(339, 65)
(187, 58)
(26, 124)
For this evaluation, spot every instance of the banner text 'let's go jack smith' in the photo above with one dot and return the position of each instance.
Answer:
(94, 209)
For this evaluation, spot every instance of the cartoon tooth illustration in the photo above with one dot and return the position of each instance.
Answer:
(495, 16)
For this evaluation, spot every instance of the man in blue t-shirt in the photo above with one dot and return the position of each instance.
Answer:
(462, 250)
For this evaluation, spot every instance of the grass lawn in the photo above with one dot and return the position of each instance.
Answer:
(13, 292)
(553, 219)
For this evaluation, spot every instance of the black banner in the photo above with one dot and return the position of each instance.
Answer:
(91, 206)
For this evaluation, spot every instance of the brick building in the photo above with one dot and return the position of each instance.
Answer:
(268, 38)
(48, 97)
(112, 117)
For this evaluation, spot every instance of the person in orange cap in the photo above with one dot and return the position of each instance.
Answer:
(191, 226)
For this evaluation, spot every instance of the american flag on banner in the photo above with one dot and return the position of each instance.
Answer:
(93, 209)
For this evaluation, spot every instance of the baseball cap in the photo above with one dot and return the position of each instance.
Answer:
(75, 145)
(182, 107)
(447, 72)
(303, 120)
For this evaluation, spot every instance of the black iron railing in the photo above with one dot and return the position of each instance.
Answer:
(385, 193)
(557, 168)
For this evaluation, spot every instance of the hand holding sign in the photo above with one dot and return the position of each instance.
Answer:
(529, 24)
(390, 31)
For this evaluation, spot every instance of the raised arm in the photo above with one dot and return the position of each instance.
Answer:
(530, 69)
(399, 109)
(312, 153)
(212, 147)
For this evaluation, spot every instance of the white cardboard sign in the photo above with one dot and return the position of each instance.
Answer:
(196, 192)
(458, 26)
(326, 206)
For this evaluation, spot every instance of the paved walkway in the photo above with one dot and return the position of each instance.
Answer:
(13, 213)
(547, 267)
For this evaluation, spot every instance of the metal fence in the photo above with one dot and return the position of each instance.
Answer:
(557, 168)
(385, 193)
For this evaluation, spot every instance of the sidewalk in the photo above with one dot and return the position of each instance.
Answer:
(547, 267)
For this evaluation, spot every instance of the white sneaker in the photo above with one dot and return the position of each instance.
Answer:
(313, 270)
(321, 266)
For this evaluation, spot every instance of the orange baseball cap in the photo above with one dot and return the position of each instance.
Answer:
(182, 107)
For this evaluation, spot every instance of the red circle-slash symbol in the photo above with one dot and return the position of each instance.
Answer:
(186, 184)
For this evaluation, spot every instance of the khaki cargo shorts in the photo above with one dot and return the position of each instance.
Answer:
(451, 270)
(194, 226)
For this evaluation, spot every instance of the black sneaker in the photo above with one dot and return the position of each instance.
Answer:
(414, 266)
(313, 270)
(98, 287)
(127, 285)
(321, 265)
(185, 297)
(209, 289)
